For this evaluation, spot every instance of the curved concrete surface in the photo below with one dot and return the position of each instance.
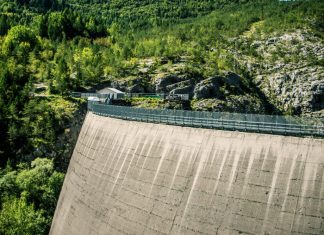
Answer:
(136, 178)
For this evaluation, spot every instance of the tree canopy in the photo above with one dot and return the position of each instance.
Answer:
(19, 39)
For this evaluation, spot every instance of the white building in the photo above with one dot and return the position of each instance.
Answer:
(93, 98)
(112, 93)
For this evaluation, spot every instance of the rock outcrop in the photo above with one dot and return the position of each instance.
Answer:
(209, 88)
(278, 73)
(289, 70)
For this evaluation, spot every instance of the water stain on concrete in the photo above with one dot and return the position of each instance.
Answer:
(137, 178)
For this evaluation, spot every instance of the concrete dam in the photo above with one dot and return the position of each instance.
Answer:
(129, 177)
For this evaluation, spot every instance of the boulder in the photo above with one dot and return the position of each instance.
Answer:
(120, 85)
(233, 79)
(137, 88)
(317, 101)
(209, 88)
(183, 90)
(134, 85)
(163, 82)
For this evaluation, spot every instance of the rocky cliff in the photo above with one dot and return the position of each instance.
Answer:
(271, 73)
(288, 68)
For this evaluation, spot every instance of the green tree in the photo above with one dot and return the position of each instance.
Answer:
(91, 27)
(41, 184)
(19, 218)
(8, 185)
(56, 26)
(20, 39)
(4, 26)
(14, 92)
(42, 26)
(62, 81)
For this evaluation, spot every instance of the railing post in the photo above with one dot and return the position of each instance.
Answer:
(175, 118)
(183, 118)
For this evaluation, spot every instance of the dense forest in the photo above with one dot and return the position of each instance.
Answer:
(49, 48)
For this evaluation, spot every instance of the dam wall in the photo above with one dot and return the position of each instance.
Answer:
(128, 177)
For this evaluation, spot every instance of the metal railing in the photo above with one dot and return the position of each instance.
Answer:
(86, 95)
(284, 125)
(145, 95)
(163, 96)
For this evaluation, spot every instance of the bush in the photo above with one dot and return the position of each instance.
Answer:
(19, 218)
(19, 38)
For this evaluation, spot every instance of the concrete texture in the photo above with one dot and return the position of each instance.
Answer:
(136, 178)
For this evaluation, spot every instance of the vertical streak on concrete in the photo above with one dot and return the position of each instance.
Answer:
(266, 224)
(137, 178)
(301, 189)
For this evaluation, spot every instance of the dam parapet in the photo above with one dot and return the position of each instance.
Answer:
(257, 123)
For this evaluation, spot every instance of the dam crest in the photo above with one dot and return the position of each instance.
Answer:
(129, 177)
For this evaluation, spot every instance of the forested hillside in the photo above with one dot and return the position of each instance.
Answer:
(244, 56)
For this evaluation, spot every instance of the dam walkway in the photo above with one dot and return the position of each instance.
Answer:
(282, 125)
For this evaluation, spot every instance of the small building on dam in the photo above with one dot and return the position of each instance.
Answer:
(112, 93)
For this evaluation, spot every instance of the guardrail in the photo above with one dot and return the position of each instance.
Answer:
(164, 96)
(283, 125)
(145, 95)
(86, 95)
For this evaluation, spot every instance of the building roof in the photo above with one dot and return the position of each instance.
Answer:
(92, 98)
(110, 90)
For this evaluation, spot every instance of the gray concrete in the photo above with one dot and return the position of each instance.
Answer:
(136, 178)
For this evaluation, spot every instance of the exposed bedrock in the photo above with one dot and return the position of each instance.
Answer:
(137, 178)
